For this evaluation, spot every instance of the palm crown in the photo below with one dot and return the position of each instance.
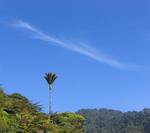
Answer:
(50, 78)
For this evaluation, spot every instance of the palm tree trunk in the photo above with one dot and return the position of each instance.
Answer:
(50, 107)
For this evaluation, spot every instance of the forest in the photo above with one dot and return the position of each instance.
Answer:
(112, 121)
(20, 115)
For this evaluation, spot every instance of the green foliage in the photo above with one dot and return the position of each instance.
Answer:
(20, 115)
(7, 122)
(111, 121)
(50, 78)
(69, 122)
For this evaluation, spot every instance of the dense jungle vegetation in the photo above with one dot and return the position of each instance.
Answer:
(20, 115)
(111, 121)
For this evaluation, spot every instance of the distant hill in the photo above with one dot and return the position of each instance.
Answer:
(112, 121)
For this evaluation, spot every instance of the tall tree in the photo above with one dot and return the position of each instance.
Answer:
(50, 78)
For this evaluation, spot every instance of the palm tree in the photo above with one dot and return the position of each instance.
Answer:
(50, 78)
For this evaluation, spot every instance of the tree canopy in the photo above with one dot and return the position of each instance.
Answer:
(112, 121)
(20, 115)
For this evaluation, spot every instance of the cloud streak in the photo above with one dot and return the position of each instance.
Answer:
(74, 46)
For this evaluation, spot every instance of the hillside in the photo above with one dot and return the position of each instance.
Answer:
(112, 121)
(20, 115)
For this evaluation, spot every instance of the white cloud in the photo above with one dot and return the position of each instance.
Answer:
(74, 46)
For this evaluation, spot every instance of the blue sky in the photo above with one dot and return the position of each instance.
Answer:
(98, 49)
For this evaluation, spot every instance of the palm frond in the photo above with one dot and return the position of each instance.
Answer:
(50, 77)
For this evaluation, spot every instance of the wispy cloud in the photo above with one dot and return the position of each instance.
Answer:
(74, 46)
